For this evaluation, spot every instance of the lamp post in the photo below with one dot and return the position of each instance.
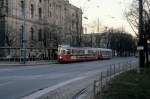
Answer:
(24, 41)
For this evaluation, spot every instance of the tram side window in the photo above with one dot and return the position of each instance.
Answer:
(94, 52)
(73, 51)
(77, 52)
(107, 53)
(81, 52)
(103, 52)
(90, 52)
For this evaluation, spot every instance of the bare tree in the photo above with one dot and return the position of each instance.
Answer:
(132, 15)
(52, 36)
(119, 41)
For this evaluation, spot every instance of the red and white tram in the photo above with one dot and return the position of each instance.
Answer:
(75, 54)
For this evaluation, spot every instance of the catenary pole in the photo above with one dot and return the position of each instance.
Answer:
(24, 41)
(141, 35)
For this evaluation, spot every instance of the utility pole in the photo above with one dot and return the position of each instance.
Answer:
(141, 36)
(91, 39)
(98, 25)
(24, 41)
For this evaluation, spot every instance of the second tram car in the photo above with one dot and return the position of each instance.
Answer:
(76, 54)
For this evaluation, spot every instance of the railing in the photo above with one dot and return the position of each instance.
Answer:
(13, 55)
(107, 76)
(93, 90)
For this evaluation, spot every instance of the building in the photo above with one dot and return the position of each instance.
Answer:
(98, 40)
(48, 23)
(73, 24)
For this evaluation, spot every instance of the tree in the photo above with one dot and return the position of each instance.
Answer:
(122, 43)
(133, 17)
(54, 35)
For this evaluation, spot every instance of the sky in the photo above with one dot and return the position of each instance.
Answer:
(110, 13)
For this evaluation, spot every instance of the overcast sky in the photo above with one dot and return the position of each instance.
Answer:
(109, 12)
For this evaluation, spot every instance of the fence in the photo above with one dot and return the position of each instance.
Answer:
(104, 79)
(107, 76)
(32, 54)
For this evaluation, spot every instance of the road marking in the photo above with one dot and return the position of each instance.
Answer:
(49, 89)
(32, 77)
(5, 70)
(3, 84)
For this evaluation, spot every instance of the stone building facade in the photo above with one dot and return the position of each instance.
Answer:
(48, 23)
(73, 24)
(97, 40)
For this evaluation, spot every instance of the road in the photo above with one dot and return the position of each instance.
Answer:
(16, 82)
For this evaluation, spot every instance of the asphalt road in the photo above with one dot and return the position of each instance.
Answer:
(16, 82)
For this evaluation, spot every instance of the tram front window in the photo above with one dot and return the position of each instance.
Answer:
(62, 52)
(68, 52)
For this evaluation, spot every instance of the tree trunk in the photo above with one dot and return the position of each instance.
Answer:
(146, 53)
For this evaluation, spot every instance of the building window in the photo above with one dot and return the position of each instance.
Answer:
(32, 10)
(50, 14)
(40, 13)
(32, 33)
(40, 35)
(21, 31)
(40, 1)
(22, 6)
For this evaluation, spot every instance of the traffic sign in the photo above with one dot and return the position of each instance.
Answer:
(139, 48)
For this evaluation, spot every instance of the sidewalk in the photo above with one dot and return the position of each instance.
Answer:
(29, 63)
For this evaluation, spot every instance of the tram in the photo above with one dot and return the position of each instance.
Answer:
(67, 54)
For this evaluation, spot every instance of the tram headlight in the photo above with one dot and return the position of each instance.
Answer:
(60, 57)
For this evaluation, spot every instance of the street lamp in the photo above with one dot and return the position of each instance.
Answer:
(24, 41)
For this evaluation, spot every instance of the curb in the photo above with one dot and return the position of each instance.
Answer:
(28, 64)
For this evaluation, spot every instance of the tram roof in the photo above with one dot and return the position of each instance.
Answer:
(70, 47)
